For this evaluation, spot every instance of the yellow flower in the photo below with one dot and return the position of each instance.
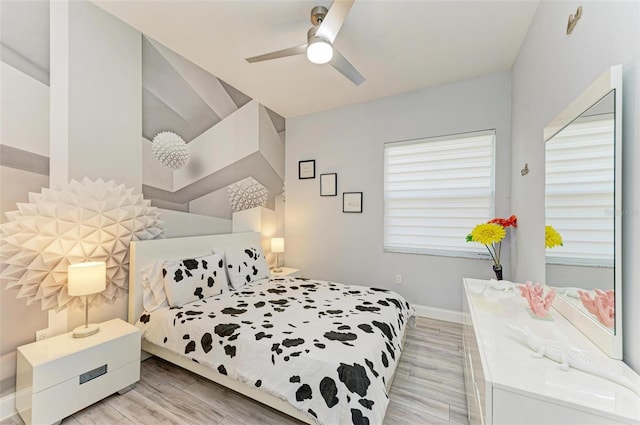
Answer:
(551, 237)
(488, 233)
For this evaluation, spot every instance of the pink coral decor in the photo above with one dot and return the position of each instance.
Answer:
(539, 303)
(601, 305)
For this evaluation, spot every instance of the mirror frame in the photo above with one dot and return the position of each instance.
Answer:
(610, 343)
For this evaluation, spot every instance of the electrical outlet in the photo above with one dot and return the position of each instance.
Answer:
(42, 334)
(398, 279)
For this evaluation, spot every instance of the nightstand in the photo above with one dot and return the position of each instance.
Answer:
(61, 375)
(286, 271)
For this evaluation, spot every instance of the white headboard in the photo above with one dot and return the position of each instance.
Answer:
(142, 253)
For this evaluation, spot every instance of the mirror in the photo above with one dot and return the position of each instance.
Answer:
(583, 204)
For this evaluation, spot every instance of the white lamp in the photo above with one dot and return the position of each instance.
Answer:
(277, 246)
(319, 50)
(86, 279)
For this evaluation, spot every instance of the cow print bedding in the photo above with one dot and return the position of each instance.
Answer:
(326, 348)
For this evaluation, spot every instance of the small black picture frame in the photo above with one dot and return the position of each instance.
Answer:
(352, 202)
(307, 169)
(329, 184)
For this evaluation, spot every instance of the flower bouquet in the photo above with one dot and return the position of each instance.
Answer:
(491, 234)
(551, 237)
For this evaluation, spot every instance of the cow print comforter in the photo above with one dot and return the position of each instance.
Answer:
(328, 349)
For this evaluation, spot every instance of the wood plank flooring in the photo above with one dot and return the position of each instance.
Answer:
(428, 390)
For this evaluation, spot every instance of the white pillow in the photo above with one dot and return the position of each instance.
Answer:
(193, 279)
(153, 295)
(245, 265)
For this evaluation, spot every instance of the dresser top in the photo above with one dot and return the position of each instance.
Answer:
(508, 363)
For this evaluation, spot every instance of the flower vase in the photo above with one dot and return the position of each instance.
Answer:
(498, 271)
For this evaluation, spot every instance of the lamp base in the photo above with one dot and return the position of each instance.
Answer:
(277, 270)
(86, 330)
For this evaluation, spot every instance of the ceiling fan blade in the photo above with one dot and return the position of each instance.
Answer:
(340, 63)
(332, 23)
(291, 51)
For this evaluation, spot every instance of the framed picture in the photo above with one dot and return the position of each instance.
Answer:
(307, 169)
(352, 202)
(329, 184)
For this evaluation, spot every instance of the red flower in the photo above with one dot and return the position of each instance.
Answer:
(506, 222)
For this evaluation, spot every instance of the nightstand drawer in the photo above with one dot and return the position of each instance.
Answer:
(70, 396)
(114, 354)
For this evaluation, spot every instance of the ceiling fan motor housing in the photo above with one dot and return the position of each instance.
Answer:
(317, 15)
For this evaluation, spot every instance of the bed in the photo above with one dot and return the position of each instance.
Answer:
(322, 352)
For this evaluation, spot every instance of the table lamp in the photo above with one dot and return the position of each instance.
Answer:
(86, 279)
(277, 246)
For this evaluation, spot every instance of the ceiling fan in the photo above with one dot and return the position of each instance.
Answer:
(320, 37)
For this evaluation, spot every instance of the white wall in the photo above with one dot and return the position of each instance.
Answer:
(552, 69)
(328, 244)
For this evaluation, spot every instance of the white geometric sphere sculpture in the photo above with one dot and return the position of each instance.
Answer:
(247, 193)
(170, 149)
(84, 221)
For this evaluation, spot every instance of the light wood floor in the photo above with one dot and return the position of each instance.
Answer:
(428, 389)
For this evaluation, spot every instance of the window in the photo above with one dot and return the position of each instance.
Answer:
(436, 190)
(579, 192)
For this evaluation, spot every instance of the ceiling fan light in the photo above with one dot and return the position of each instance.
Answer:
(319, 51)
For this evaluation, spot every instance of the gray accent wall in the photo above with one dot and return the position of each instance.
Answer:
(23, 160)
(24, 36)
(329, 244)
(81, 114)
(181, 97)
(251, 166)
(552, 69)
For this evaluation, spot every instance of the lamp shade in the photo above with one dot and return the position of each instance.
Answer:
(277, 245)
(86, 278)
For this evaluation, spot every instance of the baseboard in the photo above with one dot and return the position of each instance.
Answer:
(7, 406)
(438, 313)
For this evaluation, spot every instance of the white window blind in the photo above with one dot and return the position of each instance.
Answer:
(579, 192)
(436, 190)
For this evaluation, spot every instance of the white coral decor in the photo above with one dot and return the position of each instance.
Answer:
(247, 193)
(84, 221)
(171, 150)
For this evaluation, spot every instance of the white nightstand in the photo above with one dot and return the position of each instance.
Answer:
(59, 376)
(286, 271)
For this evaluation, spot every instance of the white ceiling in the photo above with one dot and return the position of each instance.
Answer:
(397, 45)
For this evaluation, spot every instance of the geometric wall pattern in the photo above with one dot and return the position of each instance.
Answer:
(84, 221)
(247, 193)
(182, 98)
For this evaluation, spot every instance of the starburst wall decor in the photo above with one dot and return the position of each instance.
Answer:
(171, 150)
(84, 221)
(247, 193)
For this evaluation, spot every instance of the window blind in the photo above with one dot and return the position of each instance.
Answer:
(579, 192)
(436, 190)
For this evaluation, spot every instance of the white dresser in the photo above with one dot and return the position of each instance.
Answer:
(61, 375)
(506, 386)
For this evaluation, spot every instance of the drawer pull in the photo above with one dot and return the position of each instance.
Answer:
(93, 374)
